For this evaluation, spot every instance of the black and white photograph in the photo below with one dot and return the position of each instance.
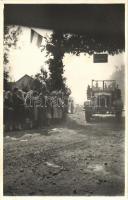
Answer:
(64, 99)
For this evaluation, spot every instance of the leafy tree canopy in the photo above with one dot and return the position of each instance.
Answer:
(41, 81)
(92, 27)
(76, 44)
(11, 34)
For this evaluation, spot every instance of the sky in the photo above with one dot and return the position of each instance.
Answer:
(79, 70)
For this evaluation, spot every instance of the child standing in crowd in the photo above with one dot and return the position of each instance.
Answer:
(55, 106)
(42, 109)
(72, 106)
(21, 108)
(60, 105)
(65, 106)
(36, 104)
(29, 116)
(18, 106)
(8, 111)
(49, 109)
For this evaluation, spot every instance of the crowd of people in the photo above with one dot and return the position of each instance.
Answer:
(33, 109)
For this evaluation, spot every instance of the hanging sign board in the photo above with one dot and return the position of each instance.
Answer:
(100, 58)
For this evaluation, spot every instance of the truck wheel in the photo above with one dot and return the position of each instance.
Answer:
(87, 116)
(118, 115)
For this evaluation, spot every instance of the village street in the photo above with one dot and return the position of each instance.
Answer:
(73, 158)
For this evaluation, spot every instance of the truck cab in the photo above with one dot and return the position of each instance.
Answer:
(103, 97)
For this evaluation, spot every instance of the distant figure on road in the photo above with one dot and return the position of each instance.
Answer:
(72, 106)
(69, 106)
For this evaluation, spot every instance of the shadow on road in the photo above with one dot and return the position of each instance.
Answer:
(75, 122)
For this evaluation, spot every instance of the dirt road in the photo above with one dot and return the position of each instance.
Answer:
(73, 158)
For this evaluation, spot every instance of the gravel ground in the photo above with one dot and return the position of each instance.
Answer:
(73, 158)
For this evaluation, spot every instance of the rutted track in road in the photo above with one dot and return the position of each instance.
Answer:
(65, 161)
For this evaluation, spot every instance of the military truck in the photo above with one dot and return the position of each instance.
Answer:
(103, 97)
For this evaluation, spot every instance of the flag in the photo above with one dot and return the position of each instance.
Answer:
(36, 38)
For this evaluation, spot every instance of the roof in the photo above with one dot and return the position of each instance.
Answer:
(24, 77)
(104, 23)
(80, 18)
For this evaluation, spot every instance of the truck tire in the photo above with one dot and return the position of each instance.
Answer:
(87, 116)
(118, 115)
